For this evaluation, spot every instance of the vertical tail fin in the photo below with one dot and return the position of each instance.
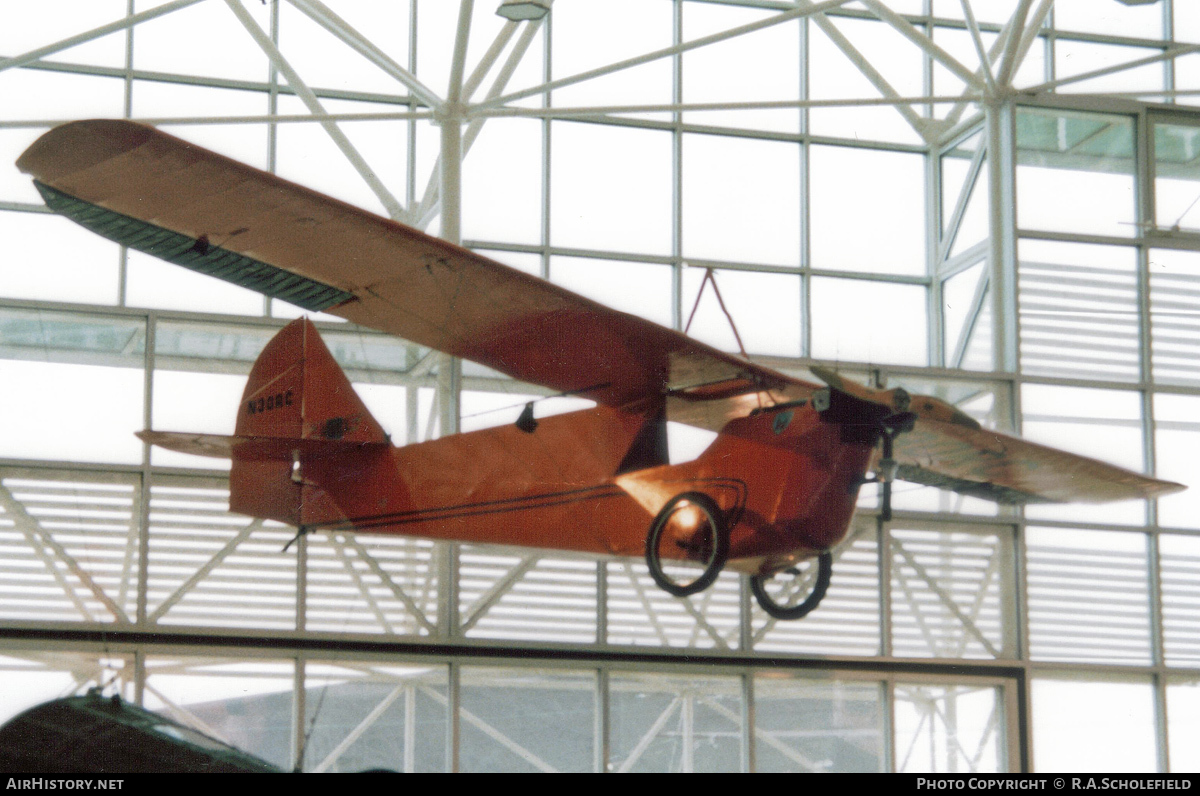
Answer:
(296, 394)
(297, 391)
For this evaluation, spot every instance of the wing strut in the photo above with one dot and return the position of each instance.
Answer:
(709, 277)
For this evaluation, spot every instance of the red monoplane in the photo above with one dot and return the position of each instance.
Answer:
(777, 486)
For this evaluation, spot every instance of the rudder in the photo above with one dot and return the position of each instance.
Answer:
(296, 394)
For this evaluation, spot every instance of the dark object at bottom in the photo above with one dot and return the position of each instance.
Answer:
(93, 734)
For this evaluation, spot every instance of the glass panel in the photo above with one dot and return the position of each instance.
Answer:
(322, 60)
(610, 188)
(805, 726)
(592, 33)
(437, 21)
(369, 717)
(875, 225)
(763, 66)
(527, 720)
(741, 200)
(764, 306)
(663, 723)
(1078, 307)
(15, 186)
(1187, 21)
(308, 156)
(861, 321)
(527, 597)
(522, 261)
(952, 594)
(1034, 68)
(202, 403)
(1140, 21)
(41, 95)
(1187, 80)
(955, 162)
(371, 583)
(502, 183)
(50, 258)
(1109, 724)
(966, 313)
(246, 704)
(211, 568)
(199, 378)
(1075, 173)
(47, 411)
(972, 224)
(640, 613)
(642, 289)
(1177, 177)
(1183, 724)
(186, 41)
(949, 729)
(150, 282)
(68, 546)
(243, 142)
(26, 30)
(1179, 568)
(838, 78)
(961, 45)
(1177, 438)
(38, 95)
(208, 347)
(1175, 316)
(973, 228)
(994, 11)
(1078, 57)
(1089, 596)
(69, 337)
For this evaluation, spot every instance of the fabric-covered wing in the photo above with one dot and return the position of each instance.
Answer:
(159, 194)
(994, 466)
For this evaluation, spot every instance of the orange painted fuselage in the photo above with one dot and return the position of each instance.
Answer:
(786, 478)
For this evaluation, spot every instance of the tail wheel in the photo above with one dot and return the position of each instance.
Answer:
(688, 544)
(795, 592)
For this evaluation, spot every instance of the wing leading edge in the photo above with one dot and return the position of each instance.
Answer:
(159, 194)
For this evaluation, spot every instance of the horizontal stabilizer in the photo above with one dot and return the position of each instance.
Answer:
(251, 449)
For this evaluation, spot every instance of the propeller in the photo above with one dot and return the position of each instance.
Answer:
(897, 399)
(925, 407)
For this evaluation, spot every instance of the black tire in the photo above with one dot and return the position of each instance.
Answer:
(759, 584)
(709, 545)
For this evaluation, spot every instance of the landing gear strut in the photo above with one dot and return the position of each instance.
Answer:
(885, 471)
(796, 591)
(688, 544)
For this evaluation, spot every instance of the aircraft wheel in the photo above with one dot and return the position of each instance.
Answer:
(794, 592)
(691, 524)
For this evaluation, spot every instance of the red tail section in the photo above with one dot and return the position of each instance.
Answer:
(296, 390)
(298, 397)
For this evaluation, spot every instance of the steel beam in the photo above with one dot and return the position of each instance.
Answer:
(390, 203)
(95, 33)
(806, 11)
(326, 18)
